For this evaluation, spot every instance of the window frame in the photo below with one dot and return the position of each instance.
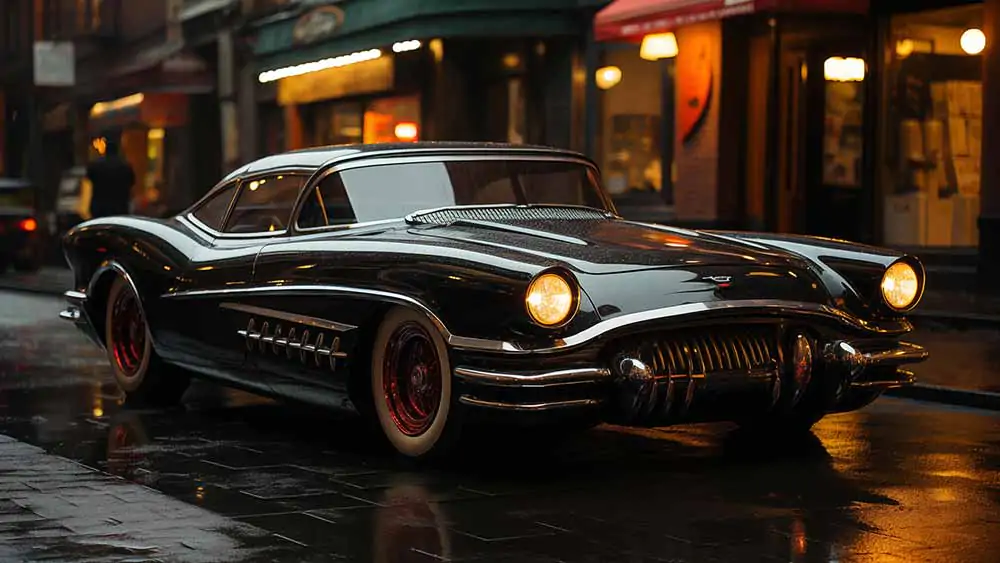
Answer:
(292, 212)
(370, 161)
(240, 181)
(209, 197)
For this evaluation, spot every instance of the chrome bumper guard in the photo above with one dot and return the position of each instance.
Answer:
(639, 382)
(539, 380)
(76, 313)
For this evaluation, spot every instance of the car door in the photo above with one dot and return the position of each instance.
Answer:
(316, 329)
(210, 307)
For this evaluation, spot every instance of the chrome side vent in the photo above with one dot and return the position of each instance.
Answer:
(316, 347)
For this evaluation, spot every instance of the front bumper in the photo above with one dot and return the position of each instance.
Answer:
(76, 312)
(629, 390)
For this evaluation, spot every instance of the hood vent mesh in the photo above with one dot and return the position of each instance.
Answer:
(511, 213)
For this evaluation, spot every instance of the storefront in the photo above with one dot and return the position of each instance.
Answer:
(706, 113)
(931, 124)
(348, 73)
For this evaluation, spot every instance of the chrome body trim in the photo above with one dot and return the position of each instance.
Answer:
(559, 377)
(528, 407)
(290, 317)
(459, 342)
(560, 345)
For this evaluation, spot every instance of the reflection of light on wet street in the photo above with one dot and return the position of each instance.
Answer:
(898, 481)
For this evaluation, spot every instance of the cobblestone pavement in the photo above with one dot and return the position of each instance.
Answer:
(235, 477)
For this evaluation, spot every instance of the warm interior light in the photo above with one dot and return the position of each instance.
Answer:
(115, 105)
(155, 134)
(406, 131)
(608, 76)
(973, 41)
(550, 300)
(900, 286)
(404, 46)
(306, 68)
(904, 48)
(658, 46)
(29, 225)
(844, 69)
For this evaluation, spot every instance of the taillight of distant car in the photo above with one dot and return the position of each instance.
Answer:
(28, 225)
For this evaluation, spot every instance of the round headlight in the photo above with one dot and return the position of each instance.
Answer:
(550, 299)
(900, 286)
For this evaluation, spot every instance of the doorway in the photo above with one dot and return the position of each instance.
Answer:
(820, 184)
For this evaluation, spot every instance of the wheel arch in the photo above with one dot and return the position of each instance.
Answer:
(98, 290)
(359, 378)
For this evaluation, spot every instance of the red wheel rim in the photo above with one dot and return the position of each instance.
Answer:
(411, 379)
(128, 333)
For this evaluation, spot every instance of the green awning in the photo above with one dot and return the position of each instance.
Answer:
(375, 23)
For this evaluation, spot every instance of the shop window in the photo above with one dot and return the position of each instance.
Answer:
(933, 128)
(631, 148)
(265, 204)
(213, 211)
(334, 123)
(391, 120)
(327, 205)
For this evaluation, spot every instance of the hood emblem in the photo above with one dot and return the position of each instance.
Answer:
(721, 281)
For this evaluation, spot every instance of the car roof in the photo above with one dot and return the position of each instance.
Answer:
(318, 157)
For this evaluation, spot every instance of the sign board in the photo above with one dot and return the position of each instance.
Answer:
(317, 24)
(55, 63)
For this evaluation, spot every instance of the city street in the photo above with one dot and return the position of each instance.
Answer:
(234, 477)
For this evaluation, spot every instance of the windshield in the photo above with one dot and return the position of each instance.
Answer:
(17, 197)
(395, 190)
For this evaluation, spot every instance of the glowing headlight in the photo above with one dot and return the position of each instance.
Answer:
(550, 299)
(900, 286)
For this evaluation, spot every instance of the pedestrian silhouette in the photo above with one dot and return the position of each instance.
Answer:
(111, 178)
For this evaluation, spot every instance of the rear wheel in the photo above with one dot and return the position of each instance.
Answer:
(139, 372)
(411, 386)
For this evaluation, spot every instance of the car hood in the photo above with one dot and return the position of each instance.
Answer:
(609, 246)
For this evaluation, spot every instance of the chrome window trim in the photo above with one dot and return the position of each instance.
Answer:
(576, 340)
(375, 159)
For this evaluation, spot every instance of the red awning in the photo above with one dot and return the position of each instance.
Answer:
(626, 19)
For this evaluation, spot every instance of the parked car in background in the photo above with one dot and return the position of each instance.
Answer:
(20, 240)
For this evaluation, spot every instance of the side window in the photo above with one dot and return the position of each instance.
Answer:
(327, 205)
(213, 212)
(265, 204)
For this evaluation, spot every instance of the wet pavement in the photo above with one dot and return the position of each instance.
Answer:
(233, 477)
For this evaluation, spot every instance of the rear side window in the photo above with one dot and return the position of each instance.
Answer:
(213, 212)
(327, 205)
(265, 204)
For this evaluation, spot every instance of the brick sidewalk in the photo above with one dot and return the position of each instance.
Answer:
(52, 508)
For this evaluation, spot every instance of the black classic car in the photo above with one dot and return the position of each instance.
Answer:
(429, 285)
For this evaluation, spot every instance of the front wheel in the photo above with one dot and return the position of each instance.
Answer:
(138, 370)
(411, 386)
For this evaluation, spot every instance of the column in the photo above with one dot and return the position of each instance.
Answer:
(989, 203)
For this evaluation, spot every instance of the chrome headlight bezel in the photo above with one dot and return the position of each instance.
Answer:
(919, 274)
(574, 289)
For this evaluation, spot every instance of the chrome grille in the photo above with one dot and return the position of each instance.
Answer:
(679, 364)
(715, 350)
(508, 213)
